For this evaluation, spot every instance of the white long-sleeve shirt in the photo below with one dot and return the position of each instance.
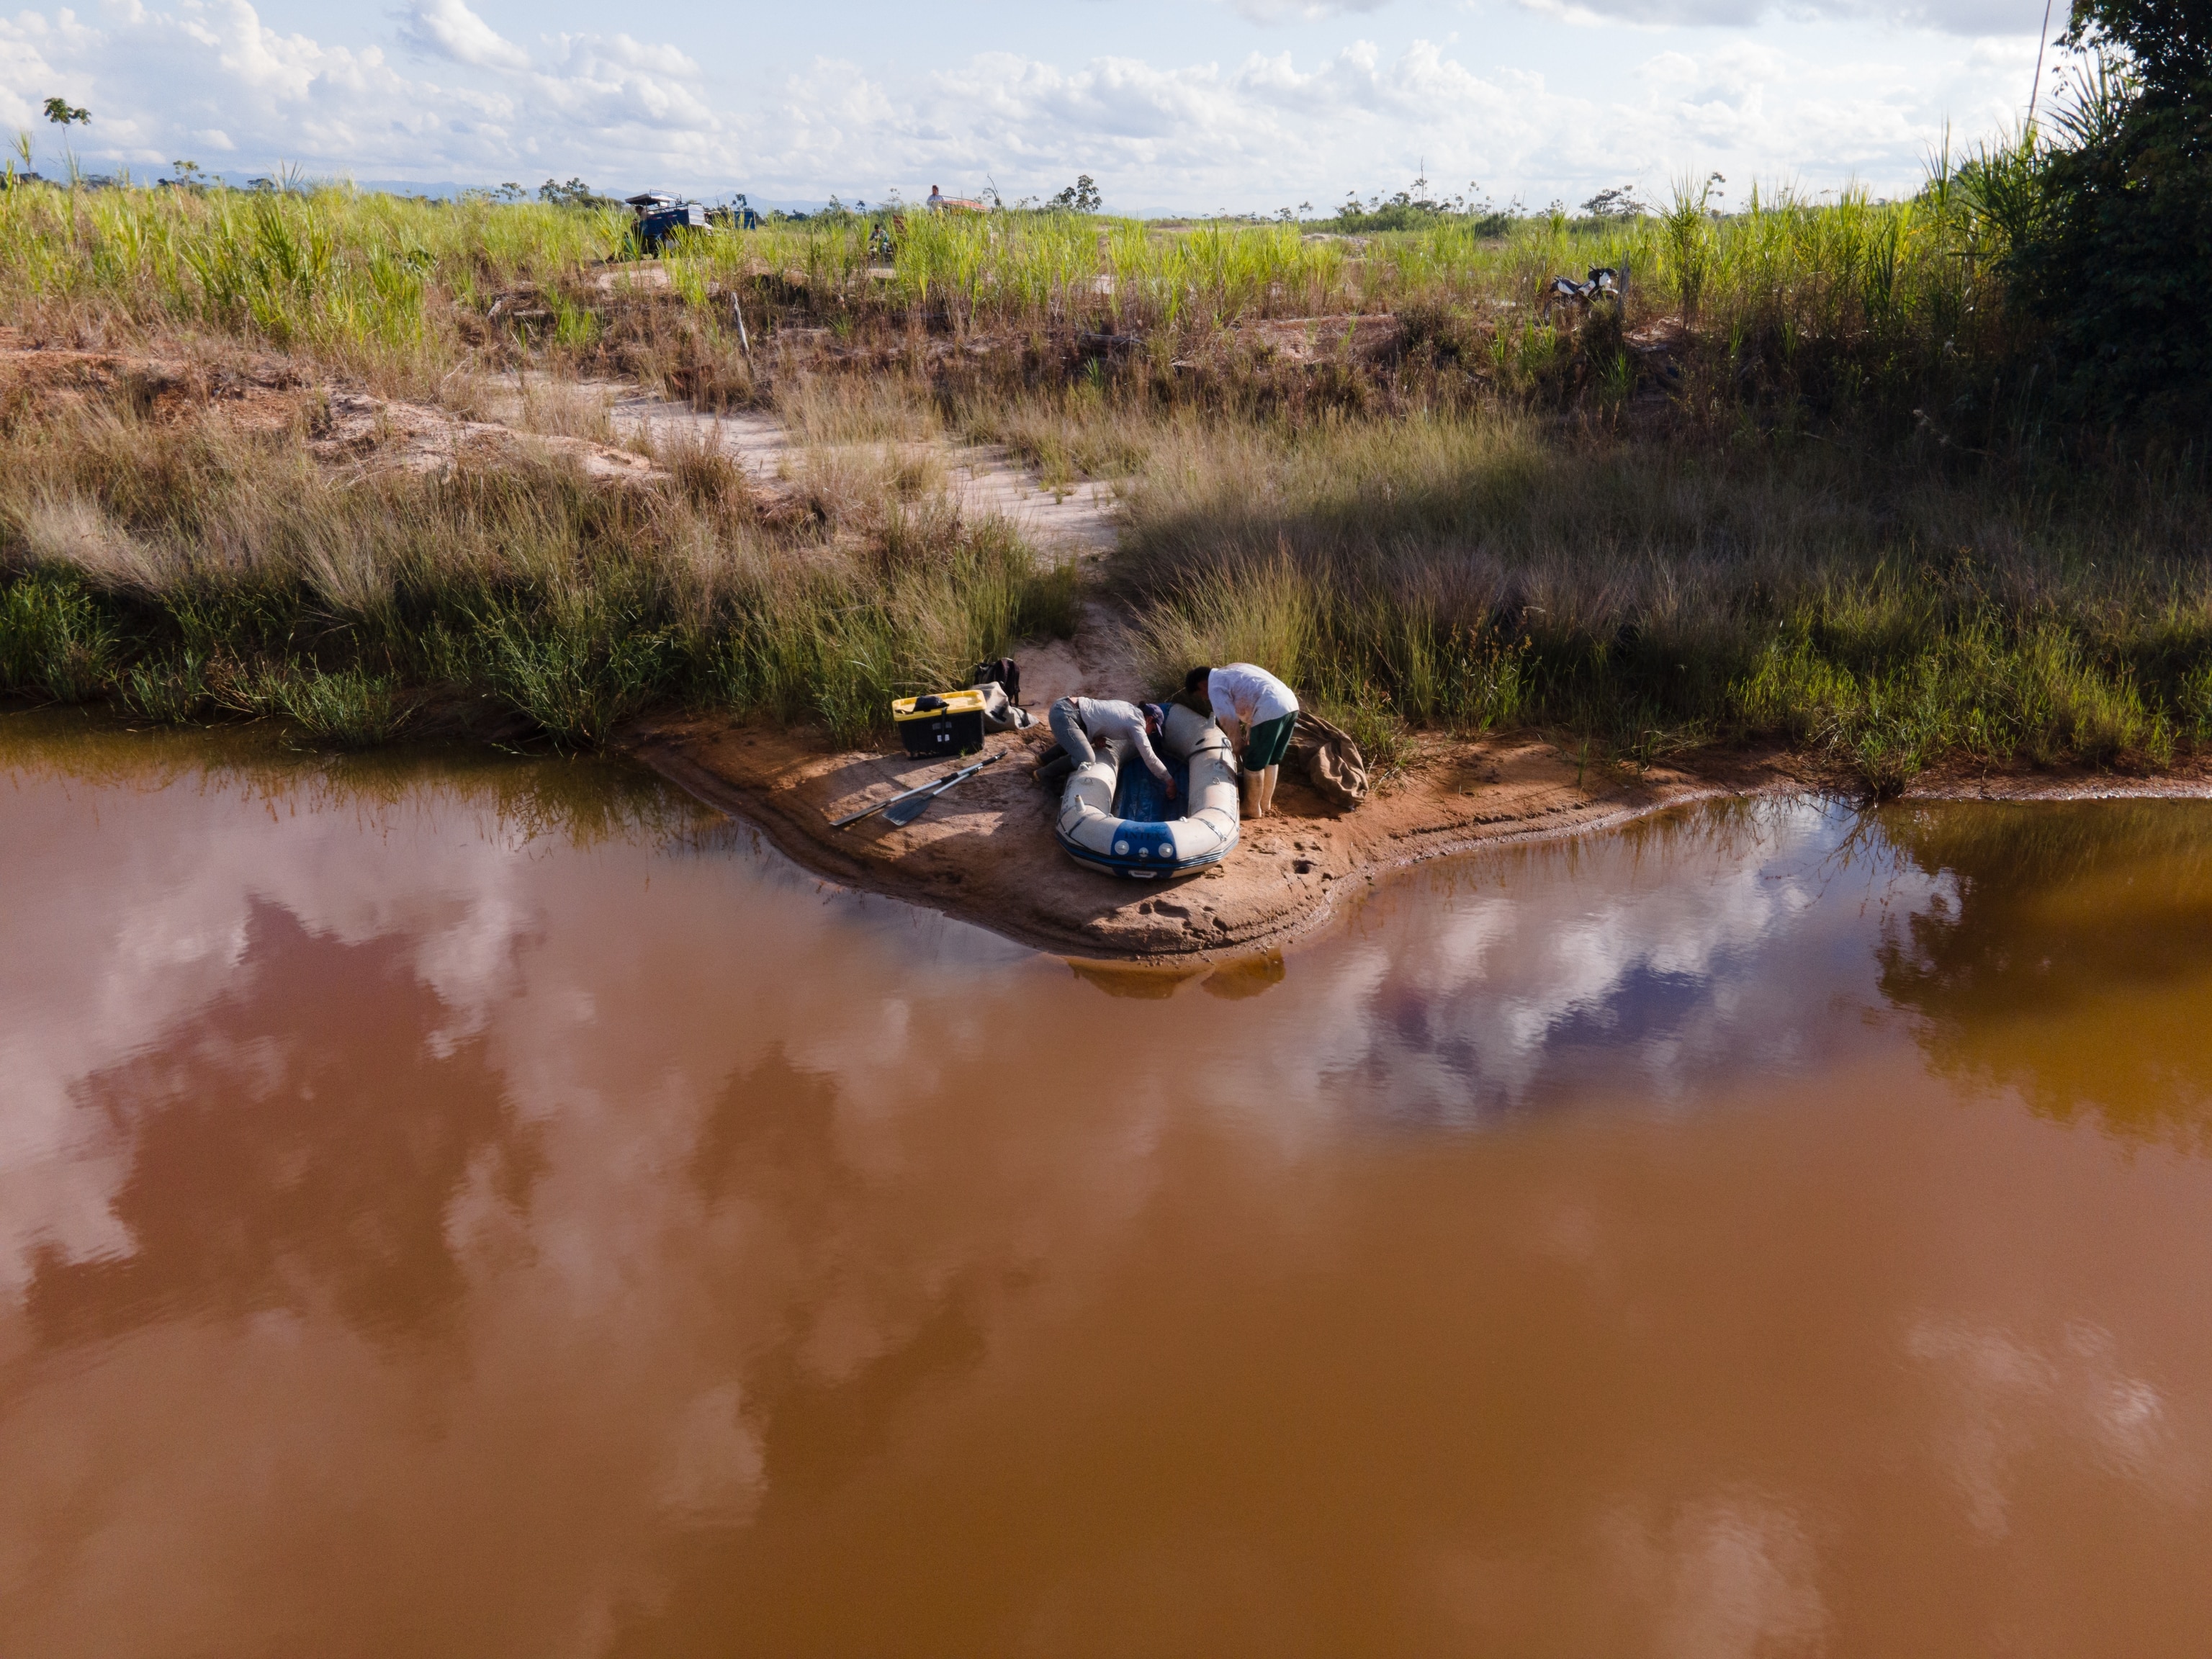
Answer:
(1103, 718)
(1248, 694)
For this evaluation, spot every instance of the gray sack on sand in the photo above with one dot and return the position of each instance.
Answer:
(1000, 713)
(1330, 760)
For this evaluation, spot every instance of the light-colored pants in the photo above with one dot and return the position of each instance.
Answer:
(1069, 730)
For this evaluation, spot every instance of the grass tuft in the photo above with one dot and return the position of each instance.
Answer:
(252, 585)
(55, 641)
(349, 708)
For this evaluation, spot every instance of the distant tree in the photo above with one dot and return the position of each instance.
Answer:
(188, 172)
(64, 114)
(1620, 202)
(1081, 197)
(509, 191)
(575, 194)
(1414, 209)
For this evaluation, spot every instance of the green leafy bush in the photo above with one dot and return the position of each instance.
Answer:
(2116, 255)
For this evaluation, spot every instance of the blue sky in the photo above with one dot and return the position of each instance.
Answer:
(1196, 106)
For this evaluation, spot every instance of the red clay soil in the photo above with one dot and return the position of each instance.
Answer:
(257, 391)
(2187, 778)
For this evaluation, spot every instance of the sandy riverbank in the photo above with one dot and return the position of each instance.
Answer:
(984, 853)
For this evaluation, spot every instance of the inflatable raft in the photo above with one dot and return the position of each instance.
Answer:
(1114, 816)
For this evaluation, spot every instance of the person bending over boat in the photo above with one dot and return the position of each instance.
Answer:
(1259, 712)
(1081, 722)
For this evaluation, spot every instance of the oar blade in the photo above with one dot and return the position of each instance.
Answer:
(905, 809)
(913, 806)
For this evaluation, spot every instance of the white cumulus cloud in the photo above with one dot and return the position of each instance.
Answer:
(447, 28)
(455, 99)
(1971, 18)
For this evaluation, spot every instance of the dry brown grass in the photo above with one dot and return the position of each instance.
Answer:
(1887, 610)
(194, 569)
(564, 408)
(831, 408)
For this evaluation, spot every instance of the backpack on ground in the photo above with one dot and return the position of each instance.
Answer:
(1006, 671)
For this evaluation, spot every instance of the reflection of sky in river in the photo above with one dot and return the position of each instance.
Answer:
(338, 1124)
(1645, 963)
(1650, 962)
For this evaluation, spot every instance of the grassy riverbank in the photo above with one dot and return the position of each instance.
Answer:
(1803, 486)
(1879, 611)
(193, 572)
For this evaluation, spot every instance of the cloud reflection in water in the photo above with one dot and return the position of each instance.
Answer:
(617, 1244)
(1679, 953)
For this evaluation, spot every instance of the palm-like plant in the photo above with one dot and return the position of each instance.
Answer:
(65, 115)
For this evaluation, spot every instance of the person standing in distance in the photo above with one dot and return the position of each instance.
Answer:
(1258, 712)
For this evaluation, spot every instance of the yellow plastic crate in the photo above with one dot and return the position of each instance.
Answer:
(953, 725)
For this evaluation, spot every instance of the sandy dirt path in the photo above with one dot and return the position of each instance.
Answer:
(1076, 523)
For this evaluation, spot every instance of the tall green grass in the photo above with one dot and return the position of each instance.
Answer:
(1850, 298)
(1835, 266)
(1882, 615)
(366, 280)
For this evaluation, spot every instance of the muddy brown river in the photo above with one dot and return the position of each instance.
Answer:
(467, 1206)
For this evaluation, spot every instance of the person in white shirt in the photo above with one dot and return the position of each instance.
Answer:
(1081, 722)
(1259, 712)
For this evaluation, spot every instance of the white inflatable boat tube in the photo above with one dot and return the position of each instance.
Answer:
(1113, 814)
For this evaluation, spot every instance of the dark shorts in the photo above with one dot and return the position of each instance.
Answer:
(1269, 742)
